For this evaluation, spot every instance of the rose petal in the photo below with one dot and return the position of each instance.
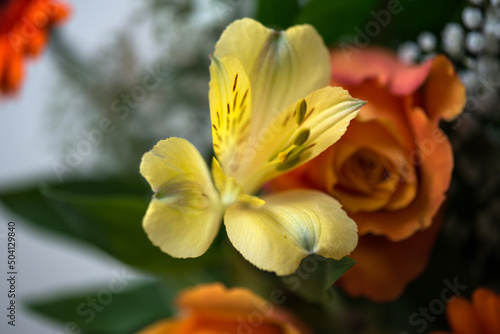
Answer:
(443, 92)
(435, 162)
(461, 317)
(381, 65)
(487, 306)
(384, 268)
(400, 187)
(382, 106)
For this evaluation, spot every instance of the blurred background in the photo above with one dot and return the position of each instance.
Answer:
(29, 131)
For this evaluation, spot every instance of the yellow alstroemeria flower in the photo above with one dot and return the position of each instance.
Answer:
(271, 110)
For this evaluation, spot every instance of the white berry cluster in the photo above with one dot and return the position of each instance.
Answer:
(474, 46)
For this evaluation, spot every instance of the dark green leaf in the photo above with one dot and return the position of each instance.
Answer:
(104, 214)
(334, 19)
(277, 14)
(114, 224)
(315, 276)
(29, 202)
(34, 207)
(408, 18)
(111, 309)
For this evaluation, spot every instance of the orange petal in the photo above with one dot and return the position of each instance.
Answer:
(207, 324)
(220, 303)
(381, 65)
(54, 11)
(487, 306)
(408, 79)
(215, 297)
(11, 13)
(62, 13)
(3, 55)
(11, 79)
(373, 135)
(404, 194)
(161, 327)
(435, 160)
(37, 43)
(443, 92)
(376, 136)
(383, 268)
(323, 172)
(384, 107)
(461, 317)
(360, 188)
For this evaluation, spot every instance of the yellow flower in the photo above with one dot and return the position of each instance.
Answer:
(271, 110)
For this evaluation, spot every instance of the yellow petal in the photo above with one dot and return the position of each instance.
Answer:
(230, 191)
(230, 110)
(282, 66)
(290, 226)
(293, 140)
(185, 213)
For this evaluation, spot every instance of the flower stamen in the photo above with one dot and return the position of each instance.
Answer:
(300, 111)
(302, 137)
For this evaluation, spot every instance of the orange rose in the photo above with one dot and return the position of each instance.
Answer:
(24, 30)
(214, 309)
(392, 167)
(482, 316)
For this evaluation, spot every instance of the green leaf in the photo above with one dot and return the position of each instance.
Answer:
(277, 14)
(315, 277)
(34, 207)
(335, 19)
(370, 22)
(114, 224)
(111, 309)
(106, 215)
(29, 202)
(409, 18)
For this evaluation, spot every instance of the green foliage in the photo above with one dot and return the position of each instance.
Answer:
(335, 19)
(277, 14)
(416, 17)
(32, 205)
(109, 311)
(315, 277)
(342, 20)
(107, 214)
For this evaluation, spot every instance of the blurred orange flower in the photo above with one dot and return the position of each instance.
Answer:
(24, 30)
(392, 167)
(482, 316)
(214, 309)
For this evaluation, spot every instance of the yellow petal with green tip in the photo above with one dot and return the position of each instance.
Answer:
(283, 66)
(329, 112)
(291, 143)
(185, 212)
(290, 226)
